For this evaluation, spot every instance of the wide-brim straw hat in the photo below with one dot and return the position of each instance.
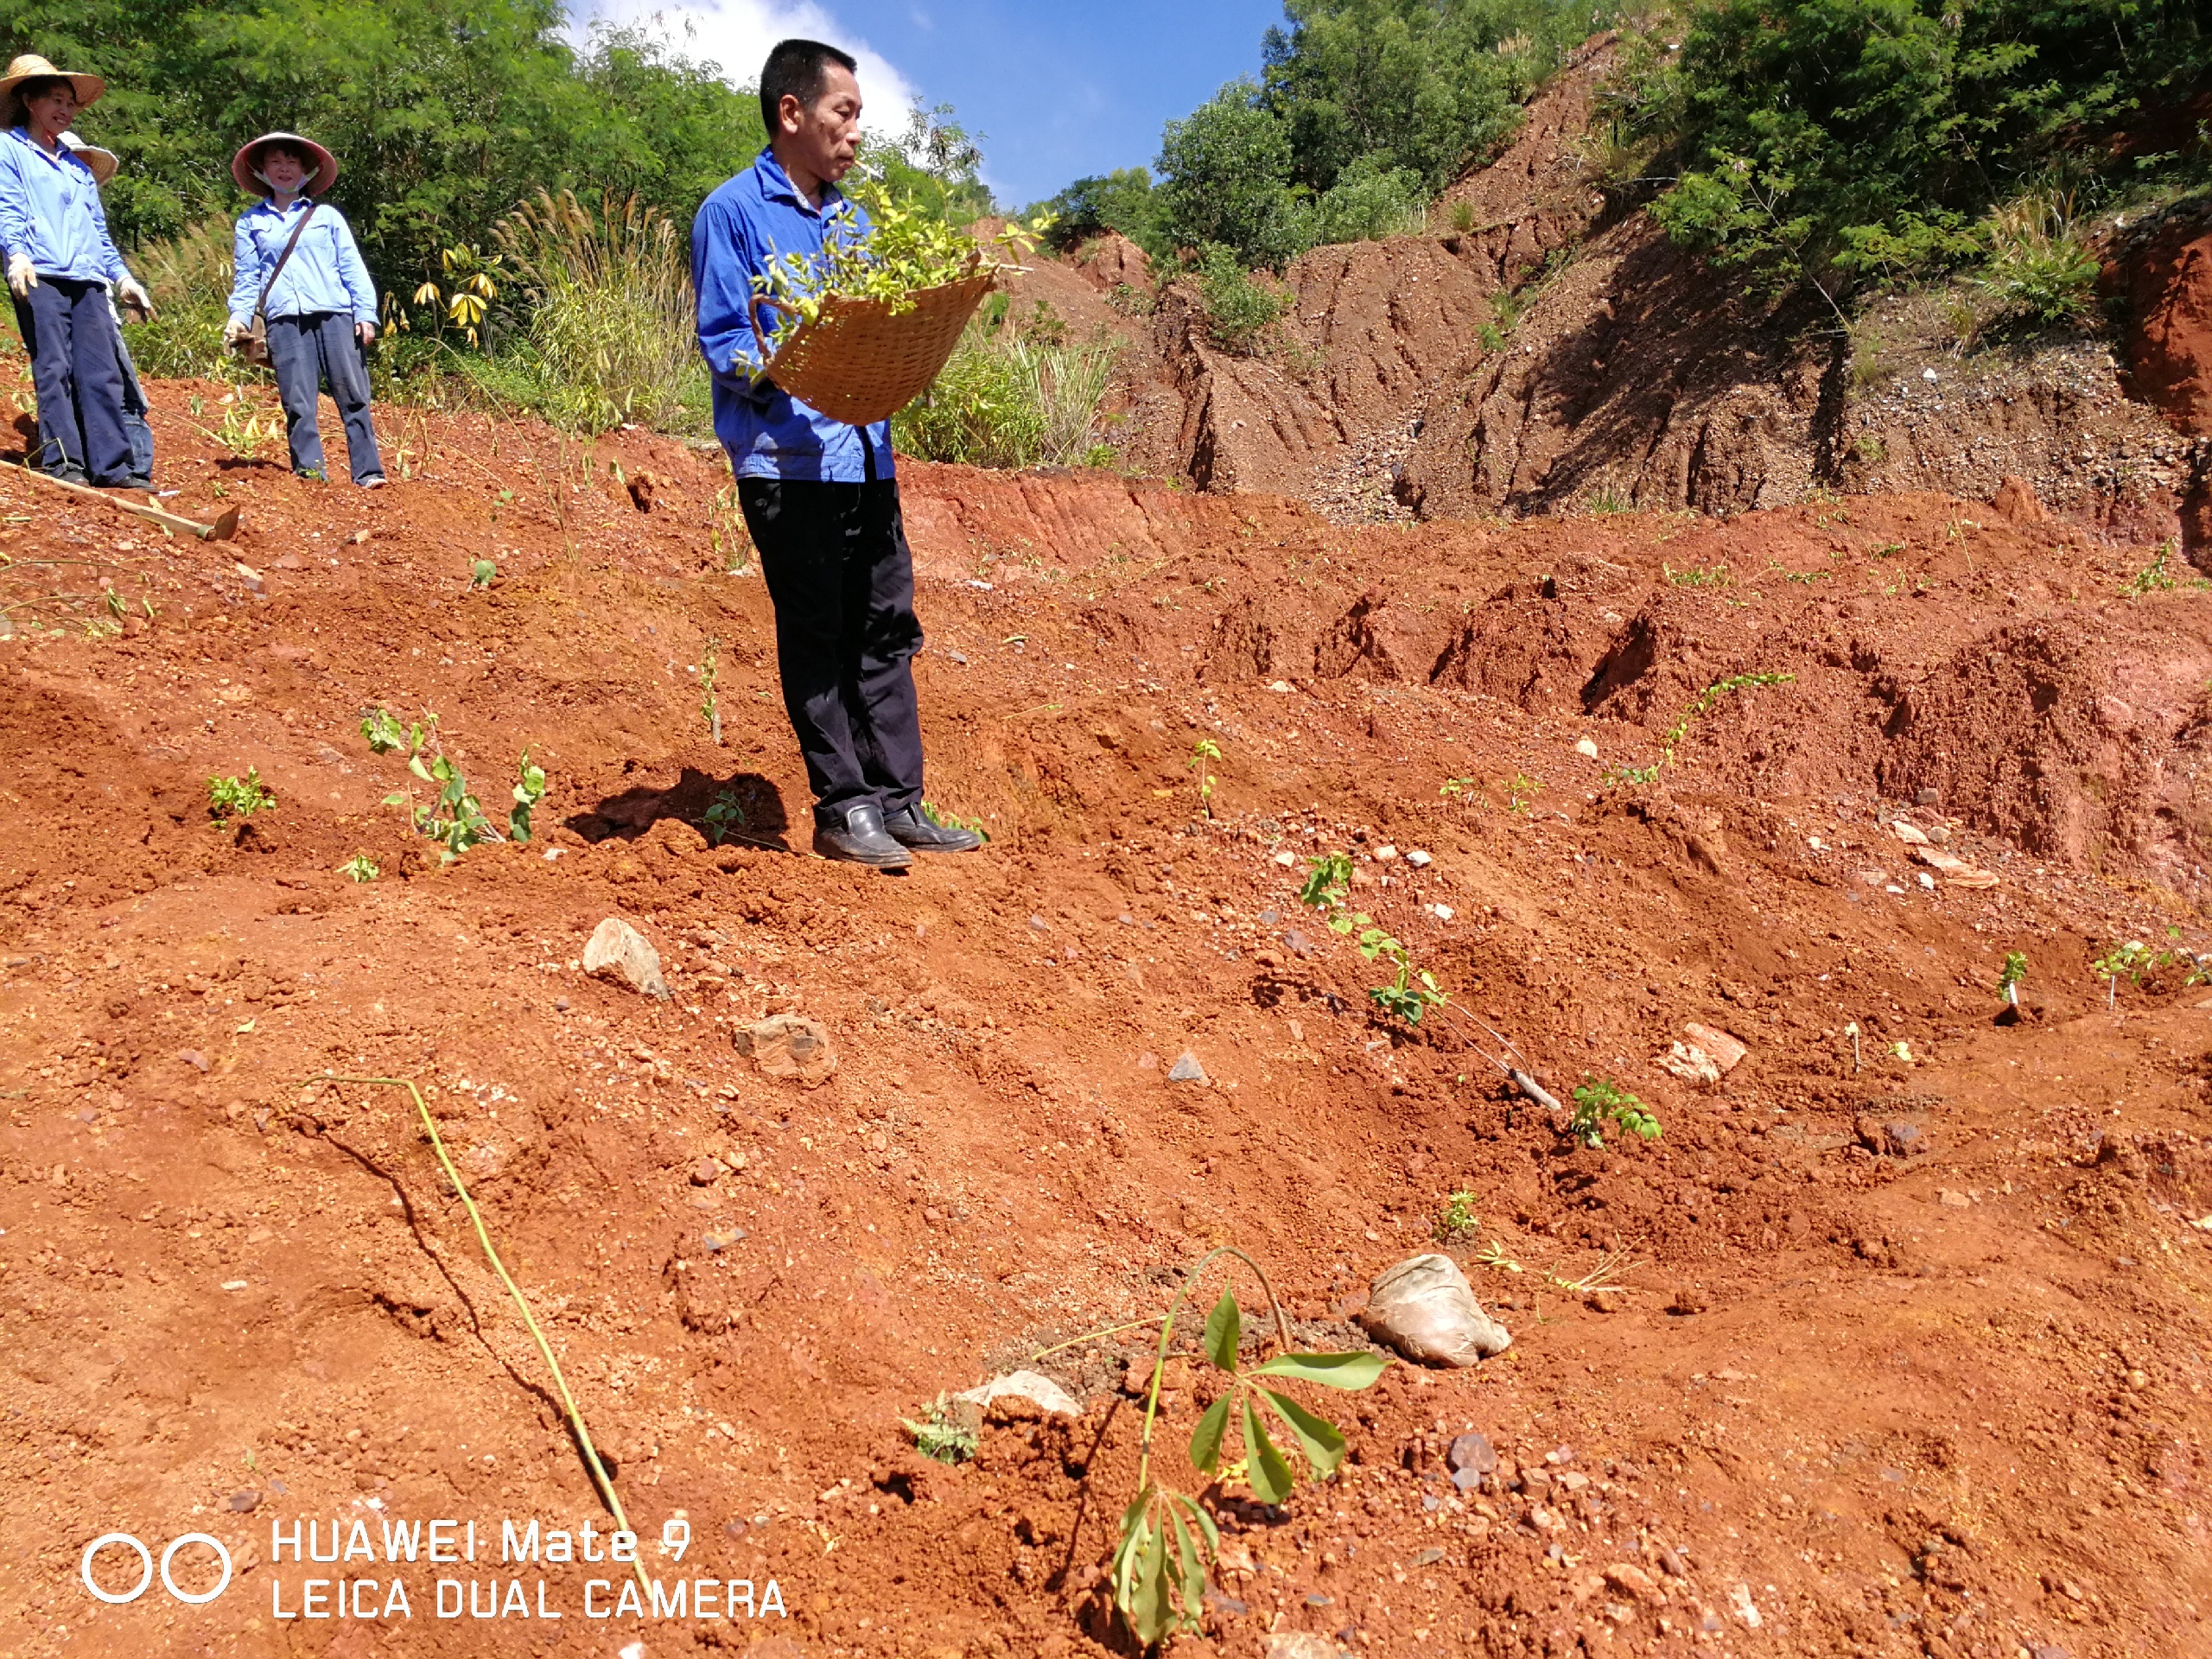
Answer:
(31, 66)
(102, 162)
(245, 165)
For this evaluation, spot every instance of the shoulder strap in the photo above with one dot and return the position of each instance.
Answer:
(261, 305)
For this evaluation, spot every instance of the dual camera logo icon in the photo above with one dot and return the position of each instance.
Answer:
(146, 1562)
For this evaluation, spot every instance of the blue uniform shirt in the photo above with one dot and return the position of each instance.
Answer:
(325, 272)
(755, 217)
(50, 209)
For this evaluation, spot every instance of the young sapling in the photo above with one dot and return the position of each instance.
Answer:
(1205, 750)
(1598, 1101)
(233, 800)
(2008, 980)
(1159, 1570)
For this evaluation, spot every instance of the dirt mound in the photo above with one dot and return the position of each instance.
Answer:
(1902, 1343)
(1624, 371)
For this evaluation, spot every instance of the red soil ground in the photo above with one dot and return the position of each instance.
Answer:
(1845, 1401)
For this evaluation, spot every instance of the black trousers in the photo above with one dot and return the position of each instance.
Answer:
(841, 578)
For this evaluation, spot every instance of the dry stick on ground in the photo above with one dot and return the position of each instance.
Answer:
(568, 1401)
(221, 531)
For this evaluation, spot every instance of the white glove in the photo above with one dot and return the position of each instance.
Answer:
(23, 275)
(233, 332)
(134, 296)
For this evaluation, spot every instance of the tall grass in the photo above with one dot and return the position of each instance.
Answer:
(2041, 264)
(189, 278)
(611, 336)
(1011, 401)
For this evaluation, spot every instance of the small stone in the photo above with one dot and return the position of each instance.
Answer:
(1951, 1200)
(1147, 1062)
(721, 1238)
(1724, 1051)
(1671, 1562)
(1688, 1299)
(788, 1046)
(930, 1213)
(1626, 1579)
(192, 1058)
(617, 951)
(1384, 855)
(1039, 924)
(1910, 835)
(1472, 1452)
(244, 1503)
(1419, 859)
(1927, 882)
(1587, 748)
(1020, 1394)
(1928, 797)
(1186, 1069)
(1286, 858)
(1279, 687)
(1689, 1062)
(2138, 1380)
(706, 1172)
(1298, 1644)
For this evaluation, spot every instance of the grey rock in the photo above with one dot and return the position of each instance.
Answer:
(243, 1502)
(1022, 1394)
(1425, 1309)
(1471, 1451)
(1186, 1069)
(617, 951)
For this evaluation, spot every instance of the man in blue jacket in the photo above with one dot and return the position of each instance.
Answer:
(818, 495)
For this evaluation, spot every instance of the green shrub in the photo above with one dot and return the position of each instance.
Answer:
(1226, 179)
(188, 276)
(1011, 402)
(1834, 141)
(1239, 311)
(1370, 201)
(2040, 265)
(610, 333)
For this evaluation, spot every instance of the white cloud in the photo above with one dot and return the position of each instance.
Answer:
(738, 34)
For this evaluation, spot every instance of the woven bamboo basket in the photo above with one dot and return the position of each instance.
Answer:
(859, 363)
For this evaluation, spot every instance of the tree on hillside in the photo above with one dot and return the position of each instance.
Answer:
(444, 114)
(1225, 180)
(1848, 137)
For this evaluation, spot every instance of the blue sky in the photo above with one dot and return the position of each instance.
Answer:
(1058, 90)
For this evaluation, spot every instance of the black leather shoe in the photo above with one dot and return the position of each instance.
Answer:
(911, 827)
(860, 840)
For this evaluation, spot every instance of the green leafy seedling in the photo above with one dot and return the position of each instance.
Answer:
(1598, 1101)
(454, 817)
(945, 818)
(1204, 750)
(2008, 980)
(1414, 991)
(233, 800)
(724, 817)
(1168, 1539)
(480, 575)
(360, 867)
(709, 710)
(1458, 1219)
(944, 1433)
(2131, 960)
(1521, 793)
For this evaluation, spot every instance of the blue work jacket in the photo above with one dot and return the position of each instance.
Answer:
(758, 216)
(50, 209)
(325, 273)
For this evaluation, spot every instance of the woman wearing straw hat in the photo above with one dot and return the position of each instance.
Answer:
(60, 263)
(300, 271)
(105, 164)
